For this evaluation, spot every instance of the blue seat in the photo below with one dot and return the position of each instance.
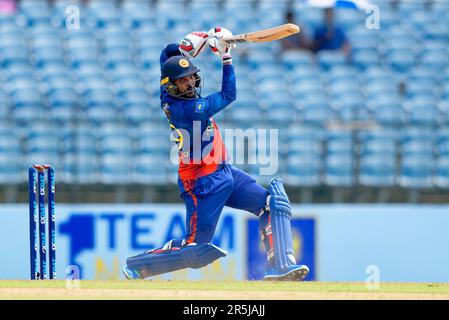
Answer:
(442, 144)
(11, 172)
(48, 156)
(299, 86)
(101, 113)
(378, 88)
(51, 54)
(53, 69)
(117, 55)
(9, 143)
(304, 170)
(432, 45)
(297, 58)
(441, 174)
(299, 146)
(409, 8)
(328, 59)
(13, 54)
(152, 145)
(350, 111)
(12, 39)
(58, 82)
(365, 58)
(375, 142)
(341, 73)
(43, 143)
(401, 60)
(279, 95)
(104, 15)
(348, 18)
(421, 74)
(246, 115)
(80, 168)
(100, 96)
(423, 112)
(316, 113)
(417, 147)
(398, 40)
(134, 95)
(136, 113)
(416, 172)
(27, 105)
(416, 133)
(339, 142)
(115, 169)
(342, 87)
(147, 169)
(436, 59)
(302, 132)
(302, 72)
(115, 144)
(339, 170)
(310, 16)
(378, 74)
(436, 31)
(378, 170)
(257, 59)
(79, 142)
(281, 111)
(36, 13)
(79, 58)
(387, 111)
(64, 105)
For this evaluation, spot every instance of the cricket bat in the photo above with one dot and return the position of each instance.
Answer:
(265, 35)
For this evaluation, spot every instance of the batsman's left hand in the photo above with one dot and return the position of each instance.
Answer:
(217, 47)
(193, 44)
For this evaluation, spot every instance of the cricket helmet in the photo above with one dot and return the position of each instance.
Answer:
(178, 67)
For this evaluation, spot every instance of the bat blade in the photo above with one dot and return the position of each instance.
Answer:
(265, 35)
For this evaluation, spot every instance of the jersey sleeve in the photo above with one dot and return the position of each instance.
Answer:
(204, 108)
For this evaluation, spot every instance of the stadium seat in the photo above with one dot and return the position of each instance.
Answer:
(298, 146)
(328, 59)
(423, 112)
(416, 172)
(340, 142)
(147, 170)
(441, 174)
(400, 60)
(80, 168)
(378, 170)
(387, 110)
(378, 142)
(304, 170)
(296, 58)
(339, 170)
(11, 172)
(115, 169)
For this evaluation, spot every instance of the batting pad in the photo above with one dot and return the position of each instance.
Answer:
(191, 256)
(280, 214)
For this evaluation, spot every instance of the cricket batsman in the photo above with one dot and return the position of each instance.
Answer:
(206, 181)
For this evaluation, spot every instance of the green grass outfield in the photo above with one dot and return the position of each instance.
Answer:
(213, 290)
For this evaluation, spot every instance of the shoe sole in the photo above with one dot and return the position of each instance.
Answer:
(127, 275)
(295, 275)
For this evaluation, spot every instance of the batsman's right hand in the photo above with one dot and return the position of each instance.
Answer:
(193, 44)
(217, 47)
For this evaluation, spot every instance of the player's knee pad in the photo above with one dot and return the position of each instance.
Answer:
(277, 227)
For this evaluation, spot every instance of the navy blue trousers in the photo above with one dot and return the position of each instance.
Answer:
(205, 198)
